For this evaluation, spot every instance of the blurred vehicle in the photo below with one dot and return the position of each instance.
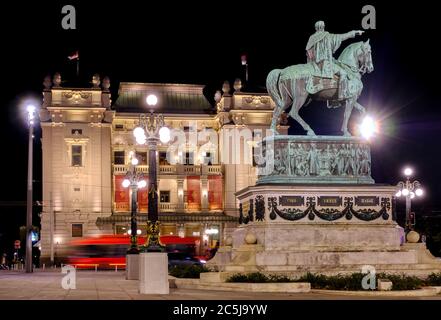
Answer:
(180, 259)
(109, 251)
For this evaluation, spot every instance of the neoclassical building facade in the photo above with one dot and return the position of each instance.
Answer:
(88, 142)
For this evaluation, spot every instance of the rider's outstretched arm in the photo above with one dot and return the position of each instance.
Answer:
(350, 34)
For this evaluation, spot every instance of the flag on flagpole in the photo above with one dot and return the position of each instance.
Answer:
(244, 59)
(75, 56)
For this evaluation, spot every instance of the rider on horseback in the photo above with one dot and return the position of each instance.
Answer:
(319, 51)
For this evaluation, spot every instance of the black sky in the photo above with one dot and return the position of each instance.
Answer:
(201, 42)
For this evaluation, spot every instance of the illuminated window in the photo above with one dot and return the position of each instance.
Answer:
(142, 157)
(163, 158)
(189, 158)
(208, 159)
(119, 157)
(77, 155)
(77, 230)
(164, 196)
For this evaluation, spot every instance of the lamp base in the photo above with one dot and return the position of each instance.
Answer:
(132, 267)
(153, 244)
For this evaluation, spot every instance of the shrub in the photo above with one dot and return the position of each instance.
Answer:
(255, 277)
(402, 282)
(238, 278)
(192, 272)
(434, 279)
(278, 278)
(337, 282)
(351, 282)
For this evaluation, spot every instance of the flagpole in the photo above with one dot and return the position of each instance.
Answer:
(246, 73)
(78, 67)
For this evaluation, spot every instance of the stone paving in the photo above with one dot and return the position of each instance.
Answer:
(111, 285)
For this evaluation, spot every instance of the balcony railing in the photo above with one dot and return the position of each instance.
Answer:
(167, 169)
(167, 207)
(213, 169)
(122, 169)
(180, 169)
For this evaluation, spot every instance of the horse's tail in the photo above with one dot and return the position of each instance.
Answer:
(272, 86)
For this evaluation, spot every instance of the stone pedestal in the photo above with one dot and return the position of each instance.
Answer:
(330, 229)
(315, 208)
(222, 258)
(153, 273)
(132, 267)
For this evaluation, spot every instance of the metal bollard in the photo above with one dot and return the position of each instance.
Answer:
(96, 268)
(116, 268)
(44, 266)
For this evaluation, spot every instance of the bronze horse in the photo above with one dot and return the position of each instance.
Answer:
(289, 86)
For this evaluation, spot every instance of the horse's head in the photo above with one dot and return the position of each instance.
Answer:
(358, 56)
(365, 58)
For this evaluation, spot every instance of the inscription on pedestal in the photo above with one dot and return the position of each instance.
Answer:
(365, 201)
(329, 201)
(291, 201)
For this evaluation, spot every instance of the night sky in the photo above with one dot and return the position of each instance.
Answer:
(193, 42)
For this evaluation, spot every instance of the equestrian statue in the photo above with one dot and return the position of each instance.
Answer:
(322, 78)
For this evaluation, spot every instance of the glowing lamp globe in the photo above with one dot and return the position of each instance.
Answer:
(141, 140)
(142, 184)
(398, 194)
(164, 134)
(408, 172)
(134, 161)
(419, 192)
(151, 100)
(368, 127)
(31, 110)
(405, 192)
(138, 232)
(138, 132)
(126, 183)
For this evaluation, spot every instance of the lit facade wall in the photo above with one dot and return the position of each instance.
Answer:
(86, 151)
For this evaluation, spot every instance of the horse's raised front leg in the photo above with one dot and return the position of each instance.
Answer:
(360, 108)
(349, 105)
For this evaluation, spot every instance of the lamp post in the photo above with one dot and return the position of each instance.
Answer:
(31, 118)
(151, 129)
(135, 181)
(409, 190)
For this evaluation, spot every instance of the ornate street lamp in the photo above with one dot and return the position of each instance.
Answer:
(134, 180)
(31, 109)
(151, 129)
(409, 190)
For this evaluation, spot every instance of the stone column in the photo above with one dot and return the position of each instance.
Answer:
(180, 191)
(204, 193)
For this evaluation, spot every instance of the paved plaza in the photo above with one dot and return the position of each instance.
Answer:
(111, 285)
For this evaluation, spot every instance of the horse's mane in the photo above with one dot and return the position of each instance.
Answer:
(348, 52)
